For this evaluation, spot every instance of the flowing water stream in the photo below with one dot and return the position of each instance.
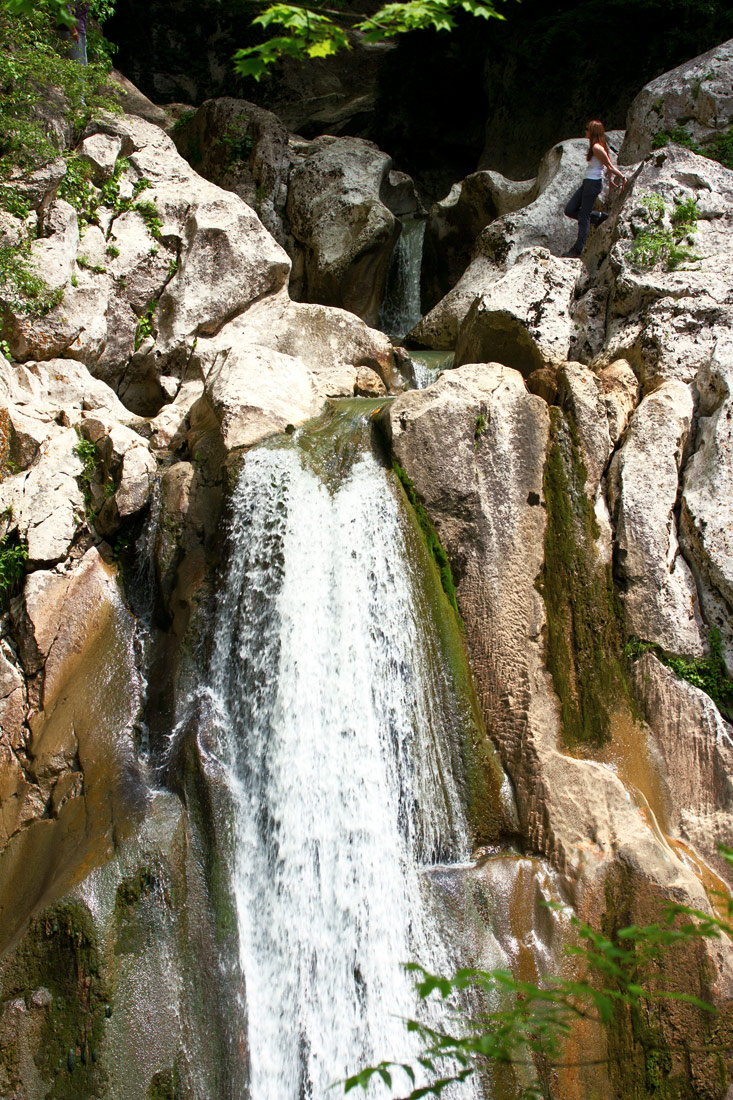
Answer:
(338, 724)
(401, 307)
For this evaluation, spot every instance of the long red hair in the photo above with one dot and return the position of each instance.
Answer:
(596, 136)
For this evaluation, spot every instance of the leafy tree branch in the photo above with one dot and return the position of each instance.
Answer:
(533, 1022)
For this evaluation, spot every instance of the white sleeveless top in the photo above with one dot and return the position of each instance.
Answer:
(594, 171)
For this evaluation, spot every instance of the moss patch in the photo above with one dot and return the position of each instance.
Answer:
(59, 953)
(431, 537)
(475, 764)
(584, 635)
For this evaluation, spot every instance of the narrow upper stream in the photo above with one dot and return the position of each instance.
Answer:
(337, 724)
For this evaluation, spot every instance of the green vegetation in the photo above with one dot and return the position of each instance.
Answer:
(479, 427)
(59, 953)
(35, 75)
(151, 216)
(238, 143)
(87, 452)
(659, 243)
(431, 536)
(86, 264)
(21, 287)
(719, 148)
(626, 974)
(77, 188)
(310, 32)
(145, 324)
(707, 673)
(584, 636)
(13, 558)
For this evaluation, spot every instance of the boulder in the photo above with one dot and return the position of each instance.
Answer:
(524, 318)
(536, 221)
(242, 148)
(693, 102)
(706, 520)
(254, 392)
(621, 389)
(101, 151)
(83, 778)
(455, 222)
(659, 594)
(38, 187)
(46, 502)
(344, 233)
(134, 102)
(663, 318)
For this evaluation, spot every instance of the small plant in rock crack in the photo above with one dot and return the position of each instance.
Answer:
(145, 325)
(13, 558)
(87, 452)
(659, 242)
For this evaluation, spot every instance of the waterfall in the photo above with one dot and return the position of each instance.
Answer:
(401, 306)
(335, 726)
(426, 366)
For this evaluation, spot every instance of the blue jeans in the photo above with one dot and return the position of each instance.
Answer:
(580, 209)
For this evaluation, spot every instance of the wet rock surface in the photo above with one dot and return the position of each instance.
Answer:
(592, 404)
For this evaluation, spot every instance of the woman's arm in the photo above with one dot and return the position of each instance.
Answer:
(606, 161)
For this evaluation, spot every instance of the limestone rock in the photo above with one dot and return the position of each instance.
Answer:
(166, 425)
(696, 746)
(524, 318)
(581, 394)
(39, 186)
(622, 391)
(543, 383)
(706, 522)
(696, 97)
(244, 149)
(133, 102)
(664, 322)
(54, 254)
(344, 232)
(81, 756)
(536, 222)
(47, 503)
(101, 152)
(660, 596)
(484, 497)
(227, 261)
(255, 392)
(455, 222)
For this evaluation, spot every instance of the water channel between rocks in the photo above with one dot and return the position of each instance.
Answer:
(340, 724)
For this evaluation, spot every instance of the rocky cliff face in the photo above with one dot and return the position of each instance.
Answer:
(577, 466)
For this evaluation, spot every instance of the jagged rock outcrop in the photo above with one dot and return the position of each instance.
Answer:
(659, 591)
(706, 530)
(76, 787)
(664, 317)
(693, 102)
(524, 318)
(483, 484)
(244, 149)
(696, 748)
(529, 217)
(344, 232)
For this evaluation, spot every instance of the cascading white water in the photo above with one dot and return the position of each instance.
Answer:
(401, 307)
(335, 728)
(427, 366)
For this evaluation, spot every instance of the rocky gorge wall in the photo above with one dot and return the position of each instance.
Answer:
(577, 466)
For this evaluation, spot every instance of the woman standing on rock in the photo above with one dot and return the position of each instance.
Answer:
(580, 207)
